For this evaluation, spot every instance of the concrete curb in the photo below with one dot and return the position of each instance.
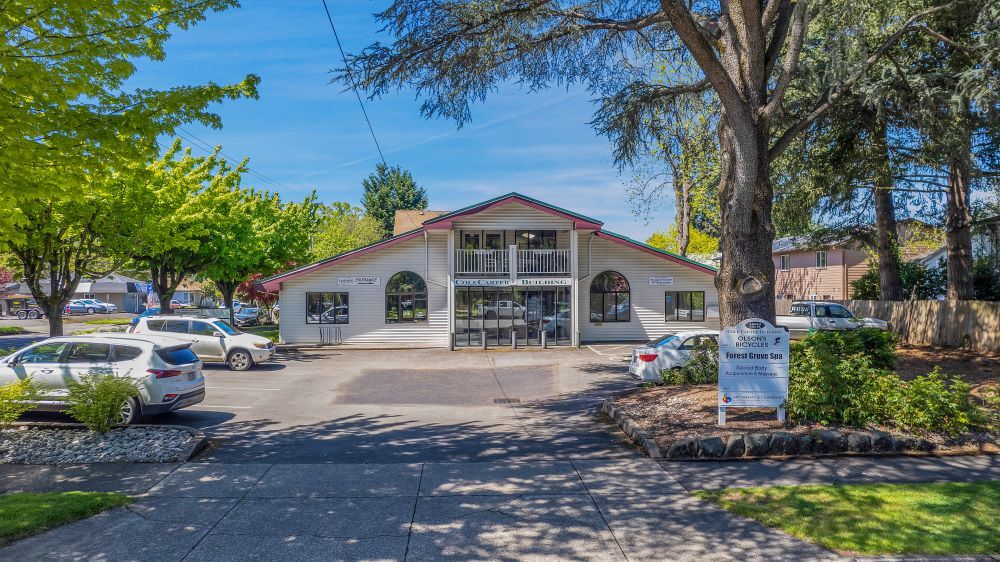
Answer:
(639, 437)
(195, 445)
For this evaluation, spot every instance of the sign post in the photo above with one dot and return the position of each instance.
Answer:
(753, 367)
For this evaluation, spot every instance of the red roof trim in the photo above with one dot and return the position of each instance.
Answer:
(274, 283)
(446, 224)
(651, 251)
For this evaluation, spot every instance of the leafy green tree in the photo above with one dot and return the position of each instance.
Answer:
(917, 282)
(188, 220)
(388, 190)
(456, 53)
(699, 244)
(74, 234)
(62, 107)
(262, 236)
(343, 228)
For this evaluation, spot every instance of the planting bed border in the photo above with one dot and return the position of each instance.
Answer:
(782, 444)
(195, 445)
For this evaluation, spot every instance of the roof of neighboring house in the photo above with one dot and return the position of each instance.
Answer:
(190, 285)
(273, 283)
(410, 219)
(805, 244)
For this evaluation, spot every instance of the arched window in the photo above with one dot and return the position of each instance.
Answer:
(405, 298)
(609, 298)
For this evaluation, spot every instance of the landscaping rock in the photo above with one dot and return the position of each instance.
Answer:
(73, 445)
(758, 444)
(711, 448)
(804, 444)
(735, 447)
(859, 442)
(783, 443)
(881, 442)
(830, 441)
(686, 448)
(924, 445)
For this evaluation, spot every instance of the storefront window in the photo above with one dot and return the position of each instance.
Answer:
(609, 298)
(405, 298)
(535, 239)
(327, 308)
(685, 306)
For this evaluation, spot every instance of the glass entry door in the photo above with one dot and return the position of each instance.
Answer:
(499, 313)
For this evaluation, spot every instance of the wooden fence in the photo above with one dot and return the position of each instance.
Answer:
(971, 324)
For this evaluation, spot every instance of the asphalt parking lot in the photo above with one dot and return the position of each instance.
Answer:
(386, 406)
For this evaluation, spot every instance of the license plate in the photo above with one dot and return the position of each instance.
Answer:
(191, 376)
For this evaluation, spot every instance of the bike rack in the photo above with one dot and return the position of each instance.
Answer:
(330, 335)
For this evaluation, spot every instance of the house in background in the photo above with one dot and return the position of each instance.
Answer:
(985, 244)
(128, 294)
(807, 271)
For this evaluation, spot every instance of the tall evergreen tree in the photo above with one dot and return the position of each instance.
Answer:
(388, 190)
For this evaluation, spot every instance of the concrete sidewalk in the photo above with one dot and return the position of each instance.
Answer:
(611, 509)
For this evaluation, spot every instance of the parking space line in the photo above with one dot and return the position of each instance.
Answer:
(238, 388)
(219, 406)
(608, 349)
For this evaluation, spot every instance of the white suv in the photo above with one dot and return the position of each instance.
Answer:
(169, 373)
(212, 339)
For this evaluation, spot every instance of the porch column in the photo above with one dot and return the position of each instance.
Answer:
(451, 289)
(574, 291)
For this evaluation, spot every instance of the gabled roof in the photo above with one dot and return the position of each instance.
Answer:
(406, 220)
(579, 221)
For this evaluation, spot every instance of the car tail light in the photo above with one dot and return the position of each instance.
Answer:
(164, 373)
(647, 357)
(546, 320)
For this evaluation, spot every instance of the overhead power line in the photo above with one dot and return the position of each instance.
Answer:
(350, 81)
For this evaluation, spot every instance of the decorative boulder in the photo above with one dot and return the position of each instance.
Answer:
(830, 441)
(783, 443)
(758, 444)
(804, 444)
(882, 442)
(859, 442)
(686, 448)
(711, 448)
(735, 447)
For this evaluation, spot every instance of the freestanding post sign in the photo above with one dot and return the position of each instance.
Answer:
(753, 367)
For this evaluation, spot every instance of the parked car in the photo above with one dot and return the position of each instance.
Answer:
(249, 317)
(151, 311)
(503, 309)
(557, 325)
(168, 372)
(667, 352)
(76, 306)
(29, 311)
(212, 339)
(99, 306)
(174, 303)
(806, 316)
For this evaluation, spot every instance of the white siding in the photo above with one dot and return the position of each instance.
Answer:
(513, 215)
(367, 303)
(647, 303)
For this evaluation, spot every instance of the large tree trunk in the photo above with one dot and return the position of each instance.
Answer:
(228, 289)
(958, 230)
(745, 281)
(165, 283)
(683, 189)
(890, 285)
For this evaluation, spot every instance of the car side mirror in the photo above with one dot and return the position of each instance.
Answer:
(217, 334)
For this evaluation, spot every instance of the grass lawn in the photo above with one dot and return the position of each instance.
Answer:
(109, 322)
(269, 332)
(27, 514)
(941, 518)
(11, 330)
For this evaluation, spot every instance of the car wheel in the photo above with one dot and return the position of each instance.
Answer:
(131, 412)
(31, 314)
(90, 311)
(22, 315)
(239, 360)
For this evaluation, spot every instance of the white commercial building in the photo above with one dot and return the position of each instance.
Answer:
(510, 268)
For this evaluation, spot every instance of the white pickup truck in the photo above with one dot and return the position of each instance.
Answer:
(806, 316)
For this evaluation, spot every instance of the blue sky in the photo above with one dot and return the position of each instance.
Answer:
(306, 133)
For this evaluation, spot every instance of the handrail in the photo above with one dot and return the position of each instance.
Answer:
(497, 262)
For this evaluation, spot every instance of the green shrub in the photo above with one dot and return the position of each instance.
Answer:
(829, 389)
(845, 378)
(96, 400)
(702, 367)
(879, 346)
(15, 400)
(991, 409)
(935, 402)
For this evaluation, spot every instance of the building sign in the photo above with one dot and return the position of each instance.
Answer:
(359, 280)
(753, 367)
(522, 282)
(660, 281)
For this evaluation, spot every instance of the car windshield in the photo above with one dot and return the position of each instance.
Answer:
(227, 327)
(248, 312)
(661, 341)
